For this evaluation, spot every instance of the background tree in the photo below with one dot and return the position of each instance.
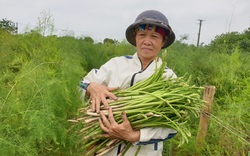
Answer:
(45, 25)
(8, 25)
(226, 43)
(109, 41)
(88, 39)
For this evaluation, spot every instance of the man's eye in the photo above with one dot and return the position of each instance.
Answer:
(141, 34)
(155, 36)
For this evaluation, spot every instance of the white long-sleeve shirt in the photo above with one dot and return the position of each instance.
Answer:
(124, 72)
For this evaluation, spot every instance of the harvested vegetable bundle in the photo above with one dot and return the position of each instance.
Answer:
(154, 102)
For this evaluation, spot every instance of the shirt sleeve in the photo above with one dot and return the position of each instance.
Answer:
(169, 73)
(100, 75)
(154, 135)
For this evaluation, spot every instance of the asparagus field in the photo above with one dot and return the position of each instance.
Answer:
(40, 75)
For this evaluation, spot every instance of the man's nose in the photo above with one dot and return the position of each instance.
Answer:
(147, 40)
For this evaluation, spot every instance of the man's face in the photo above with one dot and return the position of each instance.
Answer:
(148, 44)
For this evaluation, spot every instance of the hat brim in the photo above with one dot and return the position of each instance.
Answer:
(130, 35)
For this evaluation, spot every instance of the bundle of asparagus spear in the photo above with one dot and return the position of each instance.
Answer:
(154, 102)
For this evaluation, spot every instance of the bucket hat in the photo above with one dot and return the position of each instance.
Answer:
(151, 17)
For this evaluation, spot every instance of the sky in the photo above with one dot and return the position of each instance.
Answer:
(100, 19)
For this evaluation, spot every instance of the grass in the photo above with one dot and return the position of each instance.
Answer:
(39, 77)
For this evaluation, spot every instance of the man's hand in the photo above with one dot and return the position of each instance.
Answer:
(123, 130)
(98, 94)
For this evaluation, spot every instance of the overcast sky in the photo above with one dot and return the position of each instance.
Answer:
(101, 19)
